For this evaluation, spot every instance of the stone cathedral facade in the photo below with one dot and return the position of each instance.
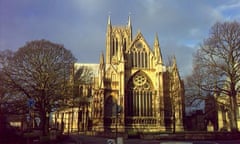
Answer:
(134, 90)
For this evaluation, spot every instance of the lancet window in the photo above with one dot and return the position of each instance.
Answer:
(140, 58)
(114, 46)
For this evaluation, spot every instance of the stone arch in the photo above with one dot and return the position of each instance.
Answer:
(140, 94)
(140, 80)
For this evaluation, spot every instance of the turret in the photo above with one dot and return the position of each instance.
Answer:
(102, 64)
(174, 61)
(130, 30)
(109, 21)
(101, 71)
(129, 21)
(157, 52)
(175, 68)
(108, 40)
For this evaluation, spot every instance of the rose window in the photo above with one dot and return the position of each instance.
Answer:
(139, 80)
(140, 96)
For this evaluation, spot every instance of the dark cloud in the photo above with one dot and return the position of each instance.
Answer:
(81, 24)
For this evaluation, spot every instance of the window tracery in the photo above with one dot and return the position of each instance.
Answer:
(140, 94)
(140, 58)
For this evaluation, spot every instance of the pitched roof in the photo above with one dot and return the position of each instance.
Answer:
(94, 67)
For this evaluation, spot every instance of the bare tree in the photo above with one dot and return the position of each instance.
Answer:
(38, 73)
(195, 94)
(217, 62)
(8, 103)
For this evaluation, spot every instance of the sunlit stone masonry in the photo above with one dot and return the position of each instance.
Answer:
(132, 90)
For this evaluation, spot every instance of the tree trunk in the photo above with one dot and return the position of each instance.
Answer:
(45, 122)
(233, 114)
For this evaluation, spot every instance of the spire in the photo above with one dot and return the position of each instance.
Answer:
(174, 67)
(109, 19)
(129, 20)
(101, 71)
(156, 42)
(102, 59)
(108, 39)
(102, 64)
(174, 62)
(157, 51)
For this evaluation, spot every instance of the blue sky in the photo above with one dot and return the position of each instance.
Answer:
(80, 25)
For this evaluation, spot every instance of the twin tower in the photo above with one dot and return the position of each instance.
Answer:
(134, 90)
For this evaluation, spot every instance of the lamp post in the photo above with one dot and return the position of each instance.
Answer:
(116, 124)
(118, 111)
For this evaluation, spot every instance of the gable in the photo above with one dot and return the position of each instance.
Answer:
(139, 44)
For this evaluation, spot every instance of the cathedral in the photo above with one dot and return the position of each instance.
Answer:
(132, 90)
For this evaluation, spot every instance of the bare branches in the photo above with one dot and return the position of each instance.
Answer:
(217, 63)
(40, 71)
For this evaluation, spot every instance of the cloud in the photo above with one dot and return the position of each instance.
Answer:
(230, 10)
(183, 54)
(81, 24)
(234, 4)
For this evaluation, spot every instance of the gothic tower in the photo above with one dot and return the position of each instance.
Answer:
(117, 39)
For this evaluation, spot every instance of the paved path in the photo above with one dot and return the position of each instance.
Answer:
(82, 139)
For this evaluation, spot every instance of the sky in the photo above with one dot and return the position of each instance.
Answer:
(80, 25)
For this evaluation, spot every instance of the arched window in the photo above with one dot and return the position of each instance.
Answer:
(140, 95)
(124, 44)
(113, 46)
(140, 57)
(116, 48)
